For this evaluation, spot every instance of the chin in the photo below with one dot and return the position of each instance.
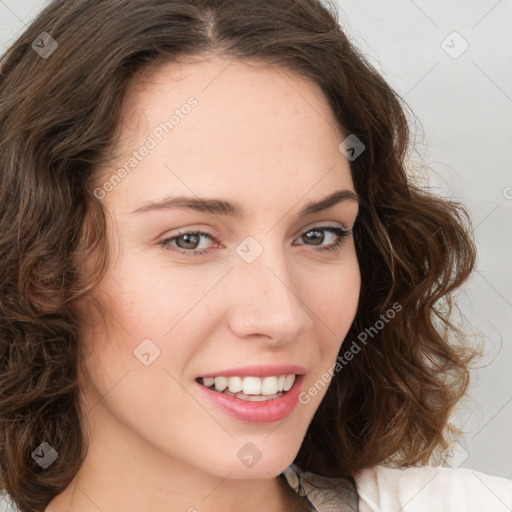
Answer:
(251, 463)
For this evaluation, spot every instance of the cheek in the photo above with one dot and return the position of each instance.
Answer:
(334, 299)
(131, 373)
(148, 333)
(334, 302)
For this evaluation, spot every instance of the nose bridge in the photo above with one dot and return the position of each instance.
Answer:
(268, 299)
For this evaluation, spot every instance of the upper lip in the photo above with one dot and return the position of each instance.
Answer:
(258, 371)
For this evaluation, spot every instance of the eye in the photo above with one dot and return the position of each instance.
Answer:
(190, 241)
(187, 242)
(317, 236)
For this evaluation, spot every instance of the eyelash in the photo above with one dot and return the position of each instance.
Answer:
(334, 248)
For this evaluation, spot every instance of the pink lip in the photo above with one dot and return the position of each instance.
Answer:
(257, 412)
(259, 371)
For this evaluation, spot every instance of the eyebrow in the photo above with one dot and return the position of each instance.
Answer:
(234, 209)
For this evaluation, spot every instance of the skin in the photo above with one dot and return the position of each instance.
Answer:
(264, 137)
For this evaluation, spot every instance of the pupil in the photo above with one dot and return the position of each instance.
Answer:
(318, 238)
(187, 240)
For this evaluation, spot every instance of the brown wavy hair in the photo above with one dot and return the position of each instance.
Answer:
(60, 119)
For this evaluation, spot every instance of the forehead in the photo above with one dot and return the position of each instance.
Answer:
(236, 96)
(252, 124)
(227, 81)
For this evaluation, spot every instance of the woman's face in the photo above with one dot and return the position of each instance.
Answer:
(259, 288)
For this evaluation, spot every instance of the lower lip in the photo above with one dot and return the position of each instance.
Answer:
(267, 411)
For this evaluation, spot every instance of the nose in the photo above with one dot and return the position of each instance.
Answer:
(268, 299)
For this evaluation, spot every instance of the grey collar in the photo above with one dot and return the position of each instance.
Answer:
(323, 494)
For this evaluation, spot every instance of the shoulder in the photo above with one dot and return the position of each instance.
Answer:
(428, 488)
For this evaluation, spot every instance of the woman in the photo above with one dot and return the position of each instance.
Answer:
(169, 341)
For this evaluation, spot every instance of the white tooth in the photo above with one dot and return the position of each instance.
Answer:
(252, 385)
(288, 383)
(208, 381)
(235, 384)
(221, 383)
(269, 386)
(280, 383)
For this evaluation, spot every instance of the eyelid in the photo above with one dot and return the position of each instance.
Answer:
(323, 224)
(209, 230)
(214, 234)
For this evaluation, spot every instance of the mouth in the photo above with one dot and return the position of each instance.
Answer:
(251, 399)
(250, 388)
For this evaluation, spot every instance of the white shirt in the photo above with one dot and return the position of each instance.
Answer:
(415, 489)
(432, 489)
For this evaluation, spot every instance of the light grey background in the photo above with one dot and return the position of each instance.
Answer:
(463, 104)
